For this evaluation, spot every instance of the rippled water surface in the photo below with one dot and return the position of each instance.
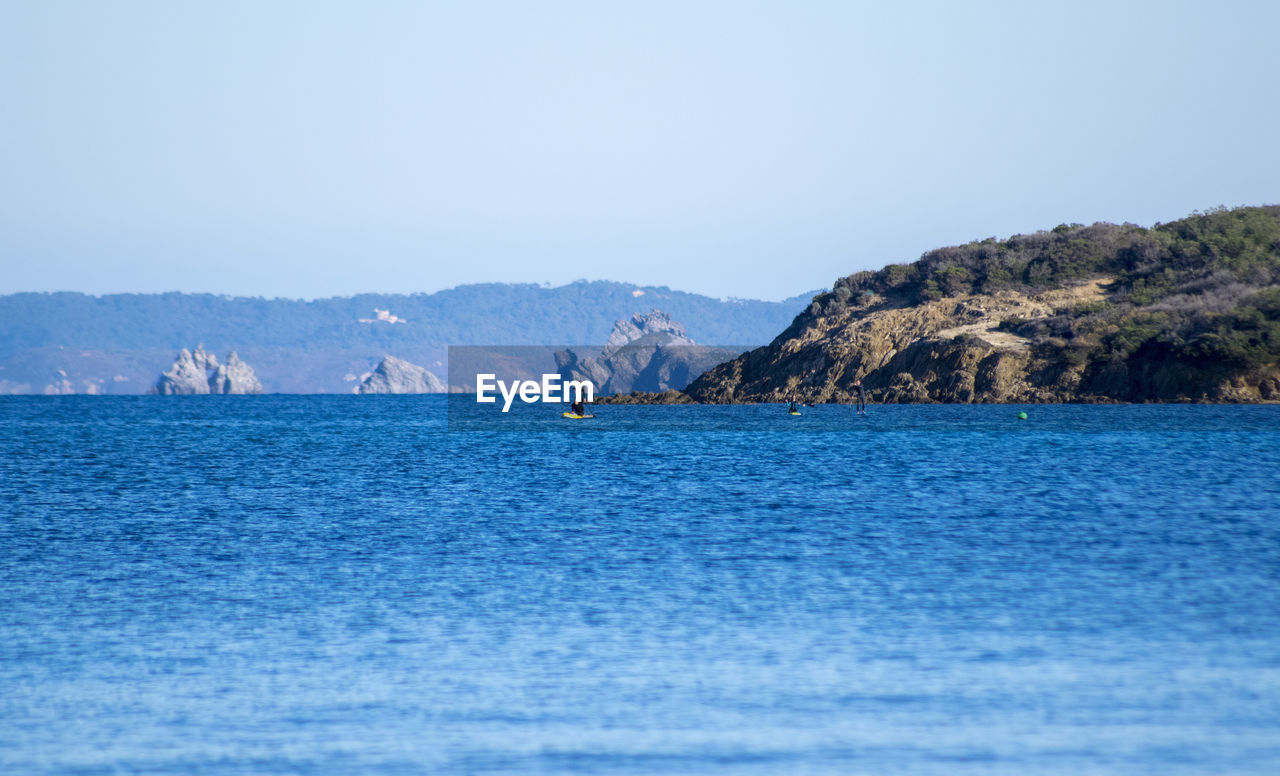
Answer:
(341, 585)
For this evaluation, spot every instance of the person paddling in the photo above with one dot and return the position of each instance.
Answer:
(578, 408)
(792, 407)
(862, 397)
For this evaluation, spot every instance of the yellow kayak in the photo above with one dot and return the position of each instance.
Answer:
(575, 416)
(793, 412)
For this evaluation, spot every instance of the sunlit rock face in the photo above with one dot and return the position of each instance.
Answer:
(200, 373)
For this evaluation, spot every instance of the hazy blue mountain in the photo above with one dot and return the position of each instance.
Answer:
(120, 343)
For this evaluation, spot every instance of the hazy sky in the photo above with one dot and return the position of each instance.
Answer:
(731, 148)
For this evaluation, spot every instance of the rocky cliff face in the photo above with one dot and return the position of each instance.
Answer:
(648, 352)
(200, 373)
(964, 348)
(393, 375)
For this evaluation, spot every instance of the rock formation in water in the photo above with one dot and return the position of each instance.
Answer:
(200, 373)
(185, 377)
(235, 376)
(393, 375)
(649, 352)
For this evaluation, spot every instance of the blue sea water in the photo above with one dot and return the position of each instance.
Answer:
(343, 585)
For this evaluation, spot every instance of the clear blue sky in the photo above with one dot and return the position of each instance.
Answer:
(731, 148)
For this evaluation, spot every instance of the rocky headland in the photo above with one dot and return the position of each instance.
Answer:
(1185, 311)
(200, 373)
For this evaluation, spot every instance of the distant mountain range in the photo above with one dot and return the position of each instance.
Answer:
(120, 343)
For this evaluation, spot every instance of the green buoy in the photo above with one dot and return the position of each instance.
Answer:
(1022, 416)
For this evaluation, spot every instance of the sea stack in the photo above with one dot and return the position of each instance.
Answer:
(200, 373)
(394, 375)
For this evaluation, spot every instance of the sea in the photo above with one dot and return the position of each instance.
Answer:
(379, 585)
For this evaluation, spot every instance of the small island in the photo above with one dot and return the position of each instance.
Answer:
(200, 373)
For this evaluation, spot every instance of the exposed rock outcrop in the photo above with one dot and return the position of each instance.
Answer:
(954, 349)
(235, 376)
(200, 373)
(649, 352)
(654, 327)
(394, 375)
(185, 377)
